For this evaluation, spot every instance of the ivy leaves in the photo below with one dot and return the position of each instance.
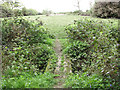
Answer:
(92, 46)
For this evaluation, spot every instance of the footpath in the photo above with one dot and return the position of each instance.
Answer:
(66, 66)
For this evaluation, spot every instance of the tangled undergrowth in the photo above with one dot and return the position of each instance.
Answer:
(27, 47)
(92, 47)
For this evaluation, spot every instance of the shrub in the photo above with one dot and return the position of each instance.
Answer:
(94, 42)
(26, 46)
(106, 9)
(78, 52)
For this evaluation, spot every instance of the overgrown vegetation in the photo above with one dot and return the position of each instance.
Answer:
(92, 48)
(28, 80)
(85, 81)
(27, 47)
(28, 51)
(91, 44)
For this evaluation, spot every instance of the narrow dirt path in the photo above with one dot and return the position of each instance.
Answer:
(59, 54)
(57, 70)
(66, 66)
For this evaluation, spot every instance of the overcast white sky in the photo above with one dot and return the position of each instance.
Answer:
(56, 5)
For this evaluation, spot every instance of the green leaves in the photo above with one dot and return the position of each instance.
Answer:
(83, 80)
(28, 46)
(92, 46)
(27, 80)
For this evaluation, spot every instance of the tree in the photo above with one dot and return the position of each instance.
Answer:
(27, 12)
(106, 9)
(24, 11)
(8, 7)
(17, 12)
(78, 6)
(6, 11)
(32, 12)
(46, 12)
(12, 3)
(91, 3)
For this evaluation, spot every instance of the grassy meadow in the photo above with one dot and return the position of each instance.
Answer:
(56, 24)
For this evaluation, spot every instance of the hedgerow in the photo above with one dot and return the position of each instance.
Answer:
(92, 48)
(26, 47)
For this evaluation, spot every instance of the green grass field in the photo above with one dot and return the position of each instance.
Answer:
(56, 24)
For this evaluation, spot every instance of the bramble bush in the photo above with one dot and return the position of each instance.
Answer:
(92, 48)
(27, 46)
(77, 50)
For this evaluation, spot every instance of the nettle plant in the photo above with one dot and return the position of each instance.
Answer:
(26, 46)
(93, 47)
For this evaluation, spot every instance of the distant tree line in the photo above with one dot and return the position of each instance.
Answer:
(80, 12)
(27, 12)
(11, 8)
